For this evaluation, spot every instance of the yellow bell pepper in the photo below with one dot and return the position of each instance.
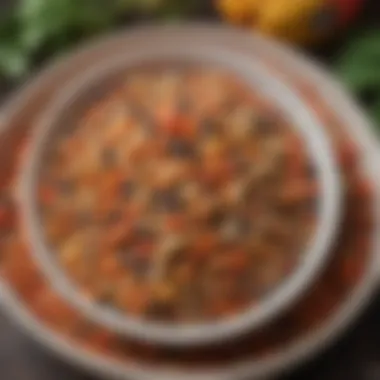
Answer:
(299, 21)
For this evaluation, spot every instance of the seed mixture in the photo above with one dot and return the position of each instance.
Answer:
(349, 262)
(182, 196)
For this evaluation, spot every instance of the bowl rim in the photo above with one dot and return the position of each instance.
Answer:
(287, 293)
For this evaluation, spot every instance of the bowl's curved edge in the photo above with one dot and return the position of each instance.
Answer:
(290, 291)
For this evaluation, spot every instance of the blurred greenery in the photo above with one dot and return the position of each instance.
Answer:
(35, 27)
(358, 66)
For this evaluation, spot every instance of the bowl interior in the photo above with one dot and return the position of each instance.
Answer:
(77, 97)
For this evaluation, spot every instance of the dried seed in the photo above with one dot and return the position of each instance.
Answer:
(181, 149)
(168, 200)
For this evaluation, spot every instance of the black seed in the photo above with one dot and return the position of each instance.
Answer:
(167, 200)
(143, 232)
(181, 148)
(216, 218)
(130, 260)
(265, 124)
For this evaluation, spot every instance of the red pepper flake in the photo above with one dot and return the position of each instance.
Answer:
(222, 308)
(186, 127)
(175, 223)
(204, 247)
(298, 191)
(166, 118)
(119, 234)
(144, 250)
(295, 156)
(217, 171)
(109, 266)
(234, 261)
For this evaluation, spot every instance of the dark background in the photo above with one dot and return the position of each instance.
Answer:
(354, 357)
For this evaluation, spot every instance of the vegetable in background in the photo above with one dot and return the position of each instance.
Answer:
(296, 21)
(358, 66)
(36, 27)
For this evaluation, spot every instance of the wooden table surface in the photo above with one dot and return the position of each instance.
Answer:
(355, 357)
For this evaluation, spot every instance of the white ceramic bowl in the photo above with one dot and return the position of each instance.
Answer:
(76, 96)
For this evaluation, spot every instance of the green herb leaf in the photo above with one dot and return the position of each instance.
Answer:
(52, 25)
(361, 77)
(375, 113)
(14, 61)
(358, 65)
